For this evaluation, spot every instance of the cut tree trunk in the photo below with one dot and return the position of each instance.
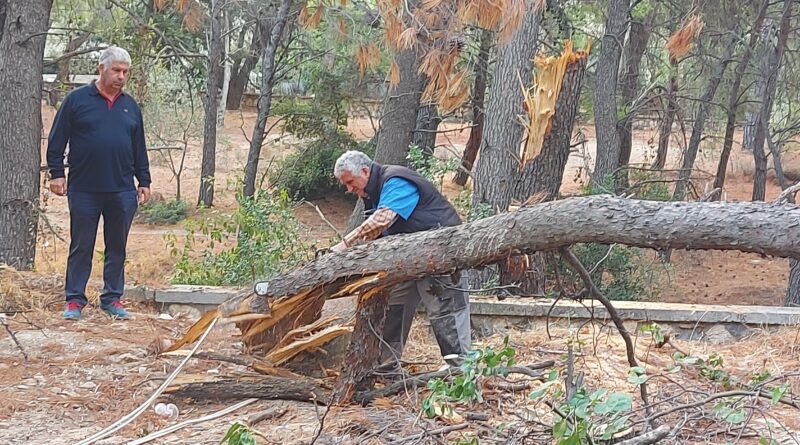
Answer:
(733, 100)
(635, 45)
(22, 41)
(478, 101)
(503, 133)
(264, 97)
(605, 91)
(209, 163)
(671, 108)
(773, 59)
(703, 110)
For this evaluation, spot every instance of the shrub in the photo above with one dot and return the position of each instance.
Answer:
(266, 243)
(163, 212)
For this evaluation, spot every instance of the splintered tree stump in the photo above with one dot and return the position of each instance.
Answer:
(364, 352)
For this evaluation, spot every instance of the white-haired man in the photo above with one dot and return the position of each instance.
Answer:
(399, 200)
(105, 132)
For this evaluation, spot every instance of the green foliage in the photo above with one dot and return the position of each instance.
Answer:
(168, 212)
(430, 167)
(587, 418)
(712, 368)
(464, 388)
(239, 434)
(308, 172)
(266, 236)
(467, 210)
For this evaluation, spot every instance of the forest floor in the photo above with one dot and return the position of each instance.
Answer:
(80, 377)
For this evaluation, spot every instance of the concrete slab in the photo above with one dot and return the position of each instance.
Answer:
(200, 295)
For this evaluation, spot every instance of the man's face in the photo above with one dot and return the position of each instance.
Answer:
(356, 183)
(113, 78)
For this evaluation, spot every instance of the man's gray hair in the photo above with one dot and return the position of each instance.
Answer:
(114, 54)
(351, 161)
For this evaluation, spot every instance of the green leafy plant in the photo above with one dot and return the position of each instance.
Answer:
(168, 212)
(258, 241)
(464, 388)
(240, 434)
(429, 166)
(585, 418)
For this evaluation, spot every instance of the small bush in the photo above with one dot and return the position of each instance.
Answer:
(430, 167)
(163, 212)
(266, 236)
(308, 173)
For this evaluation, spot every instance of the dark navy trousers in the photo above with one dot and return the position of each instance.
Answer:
(85, 209)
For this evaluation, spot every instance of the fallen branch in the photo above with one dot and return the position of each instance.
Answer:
(179, 426)
(575, 263)
(436, 432)
(421, 380)
(260, 387)
(788, 194)
(13, 337)
(267, 414)
(653, 436)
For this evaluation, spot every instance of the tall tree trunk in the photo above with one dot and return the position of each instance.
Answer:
(733, 99)
(636, 44)
(665, 127)
(265, 97)
(703, 109)
(222, 100)
(63, 70)
(503, 133)
(545, 172)
(773, 60)
(766, 33)
(478, 115)
(793, 292)
(242, 68)
(209, 162)
(605, 92)
(428, 120)
(399, 117)
(22, 41)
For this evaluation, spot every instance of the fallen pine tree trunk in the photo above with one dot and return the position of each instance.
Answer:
(293, 300)
(243, 387)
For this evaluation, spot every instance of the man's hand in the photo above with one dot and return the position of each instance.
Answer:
(144, 194)
(339, 247)
(59, 186)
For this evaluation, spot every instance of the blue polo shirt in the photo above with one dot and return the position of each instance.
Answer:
(400, 195)
(106, 142)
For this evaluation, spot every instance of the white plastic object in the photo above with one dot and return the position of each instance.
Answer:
(167, 410)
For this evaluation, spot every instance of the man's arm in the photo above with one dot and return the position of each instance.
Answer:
(369, 230)
(59, 136)
(141, 164)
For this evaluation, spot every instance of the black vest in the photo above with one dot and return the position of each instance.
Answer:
(432, 211)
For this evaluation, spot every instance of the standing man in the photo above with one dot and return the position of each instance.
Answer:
(402, 201)
(104, 128)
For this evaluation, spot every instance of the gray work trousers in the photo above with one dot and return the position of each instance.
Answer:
(448, 313)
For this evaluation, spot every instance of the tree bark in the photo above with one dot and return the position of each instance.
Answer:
(745, 226)
(428, 120)
(261, 387)
(605, 93)
(240, 73)
(793, 292)
(635, 46)
(364, 352)
(665, 128)
(773, 59)
(545, 172)
(222, 100)
(478, 116)
(209, 161)
(733, 99)
(703, 110)
(265, 97)
(22, 41)
(503, 133)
